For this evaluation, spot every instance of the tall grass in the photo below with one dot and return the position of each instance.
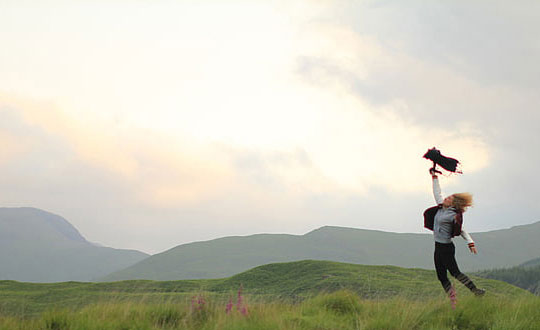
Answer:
(338, 310)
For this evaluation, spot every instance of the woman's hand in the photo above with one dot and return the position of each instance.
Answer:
(472, 247)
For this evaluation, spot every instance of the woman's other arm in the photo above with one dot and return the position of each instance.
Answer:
(469, 240)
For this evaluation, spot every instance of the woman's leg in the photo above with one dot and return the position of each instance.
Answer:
(455, 272)
(440, 266)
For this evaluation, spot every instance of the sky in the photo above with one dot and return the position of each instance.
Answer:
(149, 124)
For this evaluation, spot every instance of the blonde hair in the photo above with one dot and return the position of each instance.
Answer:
(462, 201)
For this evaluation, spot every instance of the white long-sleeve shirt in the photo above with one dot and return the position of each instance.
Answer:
(443, 224)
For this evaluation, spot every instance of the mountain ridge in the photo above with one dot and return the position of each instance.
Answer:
(230, 255)
(39, 246)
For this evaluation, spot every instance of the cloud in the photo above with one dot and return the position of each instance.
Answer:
(427, 91)
(491, 42)
(450, 77)
(448, 62)
(161, 167)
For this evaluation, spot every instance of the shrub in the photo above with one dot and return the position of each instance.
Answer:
(341, 302)
(56, 321)
(166, 316)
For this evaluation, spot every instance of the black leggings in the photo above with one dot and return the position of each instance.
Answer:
(445, 260)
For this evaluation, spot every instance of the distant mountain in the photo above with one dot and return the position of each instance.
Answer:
(231, 255)
(38, 246)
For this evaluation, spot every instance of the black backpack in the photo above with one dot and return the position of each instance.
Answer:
(429, 219)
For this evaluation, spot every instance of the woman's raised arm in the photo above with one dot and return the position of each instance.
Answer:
(436, 189)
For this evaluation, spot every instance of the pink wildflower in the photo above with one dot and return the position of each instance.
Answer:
(240, 305)
(197, 303)
(229, 307)
(240, 299)
(244, 310)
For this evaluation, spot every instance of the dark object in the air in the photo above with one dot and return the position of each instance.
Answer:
(449, 164)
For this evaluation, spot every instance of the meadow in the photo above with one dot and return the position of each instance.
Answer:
(338, 310)
(296, 295)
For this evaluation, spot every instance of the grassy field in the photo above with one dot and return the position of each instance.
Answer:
(338, 310)
(296, 295)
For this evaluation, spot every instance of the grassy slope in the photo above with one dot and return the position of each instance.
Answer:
(231, 255)
(289, 281)
(339, 310)
(525, 277)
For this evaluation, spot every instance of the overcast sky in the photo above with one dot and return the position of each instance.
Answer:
(148, 124)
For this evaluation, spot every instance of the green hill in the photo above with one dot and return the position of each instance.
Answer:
(310, 277)
(294, 280)
(37, 246)
(525, 276)
(232, 255)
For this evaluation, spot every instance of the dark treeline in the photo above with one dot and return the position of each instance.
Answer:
(532, 263)
(524, 277)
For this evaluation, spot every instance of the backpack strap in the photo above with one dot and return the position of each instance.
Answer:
(429, 216)
(458, 223)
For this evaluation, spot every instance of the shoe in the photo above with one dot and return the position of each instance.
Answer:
(478, 292)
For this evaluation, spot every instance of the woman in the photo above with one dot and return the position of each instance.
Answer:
(446, 220)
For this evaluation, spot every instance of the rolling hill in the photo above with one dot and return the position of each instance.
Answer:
(232, 255)
(298, 295)
(525, 276)
(38, 246)
(292, 280)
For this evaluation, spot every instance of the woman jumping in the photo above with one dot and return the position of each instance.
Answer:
(446, 221)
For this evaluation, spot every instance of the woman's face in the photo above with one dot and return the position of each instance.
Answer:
(448, 201)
